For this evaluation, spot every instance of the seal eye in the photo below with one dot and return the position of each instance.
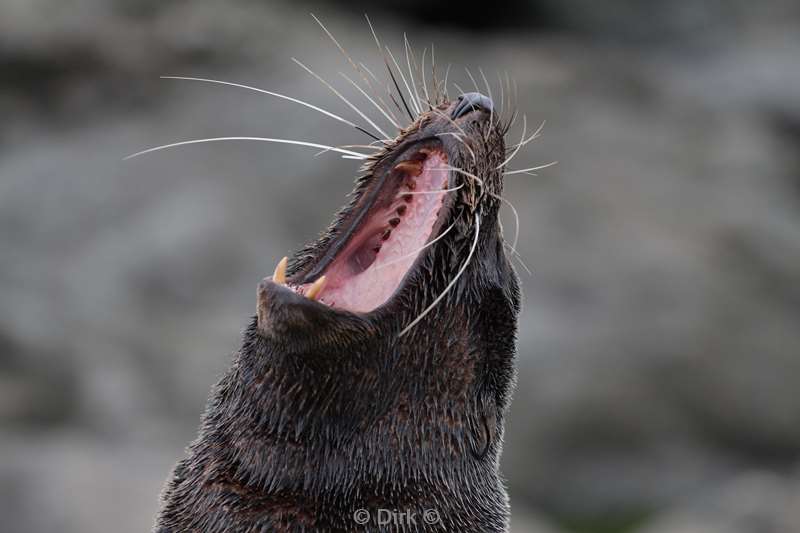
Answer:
(471, 102)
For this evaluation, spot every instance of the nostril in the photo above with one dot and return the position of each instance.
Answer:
(471, 102)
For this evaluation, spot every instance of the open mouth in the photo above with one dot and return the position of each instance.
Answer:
(380, 240)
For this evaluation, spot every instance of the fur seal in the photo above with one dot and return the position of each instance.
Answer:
(371, 387)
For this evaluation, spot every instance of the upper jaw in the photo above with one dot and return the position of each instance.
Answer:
(379, 241)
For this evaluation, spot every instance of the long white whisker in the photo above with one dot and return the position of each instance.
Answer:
(348, 153)
(436, 90)
(525, 170)
(535, 135)
(354, 65)
(405, 82)
(391, 73)
(424, 82)
(502, 97)
(491, 111)
(345, 100)
(256, 89)
(433, 192)
(518, 257)
(388, 91)
(411, 72)
(458, 88)
(379, 108)
(511, 101)
(471, 77)
(516, 219)
(415, 252)
(519, 145)
(446, 74)
(366, 146)
(452, 282)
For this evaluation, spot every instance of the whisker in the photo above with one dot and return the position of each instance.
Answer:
(387, 107)
(353, 64)
(459, 138)
(433, 192)
(518, 257)
(452, 282)
(388, 91)
(446, 74)
(345, 100)
(502, 96)
(424, 82)
(491, 111)
(436, 89)
(511, 103)
(516, 218)
(391, 74)
(471, 77)
(511, 122)
(405, 82)
(278, 95)
(411, 72)
(415, 252)
(349, 154)
(516, 91)
(379, 108)
(367, 146)
(463, 172)
(436, 111)
(534, 135)
(519, 145)
(525, 170)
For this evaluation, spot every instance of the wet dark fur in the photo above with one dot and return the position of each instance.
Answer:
(324, 412)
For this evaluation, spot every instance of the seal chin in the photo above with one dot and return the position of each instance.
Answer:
(283, 313)
(379, 241)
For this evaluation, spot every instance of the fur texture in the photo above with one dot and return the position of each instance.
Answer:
(326, 412)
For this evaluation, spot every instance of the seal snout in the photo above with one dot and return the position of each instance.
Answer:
(468, 102)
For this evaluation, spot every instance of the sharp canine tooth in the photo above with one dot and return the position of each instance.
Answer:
(316, 288)
(279, 276)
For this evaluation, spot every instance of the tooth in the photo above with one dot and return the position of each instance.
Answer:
(394, 221)
(401, 210)
(386, 234)
(316, 288)
(279, 276)
(411, 184)
(409, 167)
(407, 198)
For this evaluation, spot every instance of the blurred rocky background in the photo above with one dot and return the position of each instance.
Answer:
(659, 361)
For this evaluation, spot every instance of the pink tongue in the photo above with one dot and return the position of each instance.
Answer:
(370, 269)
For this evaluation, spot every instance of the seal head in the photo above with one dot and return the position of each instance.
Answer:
(378, 369)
